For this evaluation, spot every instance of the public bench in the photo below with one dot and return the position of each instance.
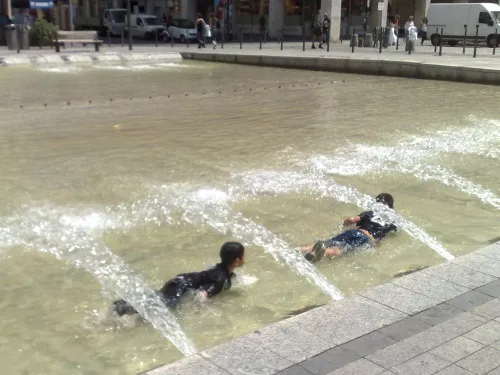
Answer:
(84, 37)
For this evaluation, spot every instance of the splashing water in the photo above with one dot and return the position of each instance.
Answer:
(71, 238)
(280, 183)
(209, 207)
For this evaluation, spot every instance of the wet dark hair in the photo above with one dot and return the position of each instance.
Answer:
(230, 251)
(386, 199)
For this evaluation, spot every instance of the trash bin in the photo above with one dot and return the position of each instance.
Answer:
(23, 36)
(11, 37)
(386, 37)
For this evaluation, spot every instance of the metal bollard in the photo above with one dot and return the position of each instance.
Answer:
(441, 43)
(328, 40)
(496, 42)
(241, 38)
(187, 38)
(109, 38)
(123, 39)
(156, 38)
(260, 42)
(436, 46)
(465, 38)
(282, 36)
(475, 40)
(397, 39)
(352, 41)
(303, 39)
(381, 40)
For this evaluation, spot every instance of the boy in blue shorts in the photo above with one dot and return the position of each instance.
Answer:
(370, 229)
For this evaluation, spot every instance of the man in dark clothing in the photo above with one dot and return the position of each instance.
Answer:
(210, 282)
(326, 30)
(200, 30)
(370, 229)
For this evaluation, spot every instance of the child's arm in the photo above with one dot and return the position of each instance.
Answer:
(213, 289)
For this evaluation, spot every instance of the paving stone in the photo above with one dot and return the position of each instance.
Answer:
(491, 289)
(252, 357)
(347, 319)
(469, 300)
(399, 298)
(496, 345)
(193, 365)
(329, 361)
(394, 355)
(495, 371)
(424, 364)
(387, 372)
(490, 309)
(405, 328)
(457, 349)
(359, 367)
(482, 361)
(369, 343)
(294, 370)
(486, 334)
(430, 286)
(454, 370)
(437, 314)
(479, 263)
(459, 275)
(446, 331)
(491, 251)
(276, 337)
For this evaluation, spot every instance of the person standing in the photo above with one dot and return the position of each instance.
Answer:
(214, 27)
(317, 29)
(200, 30)
(326, 30)
(423, 30)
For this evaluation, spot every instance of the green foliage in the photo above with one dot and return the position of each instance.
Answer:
(42, 33)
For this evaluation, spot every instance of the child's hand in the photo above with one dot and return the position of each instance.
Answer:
(204, 294)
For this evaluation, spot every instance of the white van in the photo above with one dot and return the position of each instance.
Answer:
(145, 26)
(453, 17)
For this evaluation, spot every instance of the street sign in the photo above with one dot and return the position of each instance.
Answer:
(37, 4)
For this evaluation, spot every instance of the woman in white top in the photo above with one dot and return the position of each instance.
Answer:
(392, 34)
(423, 30)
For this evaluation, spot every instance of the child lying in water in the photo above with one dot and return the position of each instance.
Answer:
(210, 282)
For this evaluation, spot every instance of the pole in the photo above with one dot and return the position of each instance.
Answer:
(328, 38)
(436, 46)
(303, 27)
(222, 40)
(282, 36)
(251, 24)
(475, 40)
(496, 42)
(123, 39)
(187, 38)
(465, 38)
(156, 37)
(71, 26)
(381, 40)
(241, 38)
(129, 29)
(441, 43)
(109, 38)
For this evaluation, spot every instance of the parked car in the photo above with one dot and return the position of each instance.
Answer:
(145, 26)
(182, 29)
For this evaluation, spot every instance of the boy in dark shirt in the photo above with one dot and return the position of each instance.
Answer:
(371, 228)
(209, 282)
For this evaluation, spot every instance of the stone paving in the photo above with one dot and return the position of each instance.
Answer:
(443, 320)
